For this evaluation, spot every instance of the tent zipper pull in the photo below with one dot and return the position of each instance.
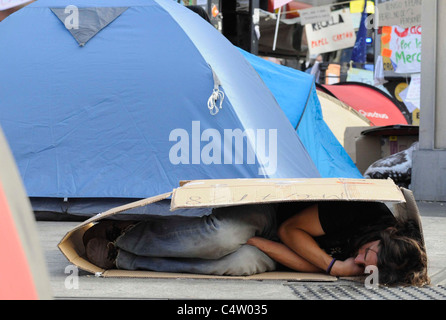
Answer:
(216, 97)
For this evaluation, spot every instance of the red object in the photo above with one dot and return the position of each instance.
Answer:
(372, 103)
(16, 281)
(403, 33)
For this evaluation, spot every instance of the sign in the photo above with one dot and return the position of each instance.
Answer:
(360, 75)
(333, 74)
(231, 192)
(314, 15)
(331, 35)
(280, 3)
(403, 48)
(403, 13)
(411, 96)
(7, 4)
(357, 6)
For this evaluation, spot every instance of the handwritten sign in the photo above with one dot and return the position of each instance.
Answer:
(403, 48)
(7, 4)
(331, 35)
(220, 193)
(412, 94)
(314, 15)
(403, 13)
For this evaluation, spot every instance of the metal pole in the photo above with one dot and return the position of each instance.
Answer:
(254, 42)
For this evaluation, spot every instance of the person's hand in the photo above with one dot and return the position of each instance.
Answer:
(257, 242)
(347, 268)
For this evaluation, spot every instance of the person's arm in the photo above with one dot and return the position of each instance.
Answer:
(282, 254)
(298, 234)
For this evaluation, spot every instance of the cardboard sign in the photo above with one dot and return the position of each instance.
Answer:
(230, 192)
(403, 13)
(314, 15)
(334, 34)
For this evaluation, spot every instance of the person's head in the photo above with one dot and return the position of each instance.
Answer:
(398, 255)
(401, 259)
(368, 254)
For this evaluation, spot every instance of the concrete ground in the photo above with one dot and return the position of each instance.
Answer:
(88, 286)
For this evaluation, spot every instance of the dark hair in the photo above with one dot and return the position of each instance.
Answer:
(402, 258)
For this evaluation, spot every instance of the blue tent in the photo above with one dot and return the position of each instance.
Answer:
(295, 92)
(123, 99)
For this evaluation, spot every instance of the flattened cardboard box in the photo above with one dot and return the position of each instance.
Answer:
(231, 192)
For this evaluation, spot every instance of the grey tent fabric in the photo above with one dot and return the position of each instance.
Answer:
(85, 23)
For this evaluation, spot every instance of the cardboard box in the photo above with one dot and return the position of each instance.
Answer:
(231, 192)
(365, 145)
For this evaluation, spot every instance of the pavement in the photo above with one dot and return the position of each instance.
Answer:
(68, 282)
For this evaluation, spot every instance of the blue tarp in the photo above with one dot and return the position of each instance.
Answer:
(119, 109)
(295, 92)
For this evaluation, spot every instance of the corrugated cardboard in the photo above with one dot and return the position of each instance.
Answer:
(230, 192)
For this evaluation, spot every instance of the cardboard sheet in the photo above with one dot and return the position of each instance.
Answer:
(229, 192)
(218, 193)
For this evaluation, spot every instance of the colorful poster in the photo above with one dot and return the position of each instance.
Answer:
(335, 34)
(402, 47)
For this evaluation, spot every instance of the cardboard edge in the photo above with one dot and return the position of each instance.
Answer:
(112, 211)
(273, 275)
(184, 182)
(187, 186)
(73, 238)
(410, 211)
(72, 248)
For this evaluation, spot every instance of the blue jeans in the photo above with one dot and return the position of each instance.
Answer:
(213, 244)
